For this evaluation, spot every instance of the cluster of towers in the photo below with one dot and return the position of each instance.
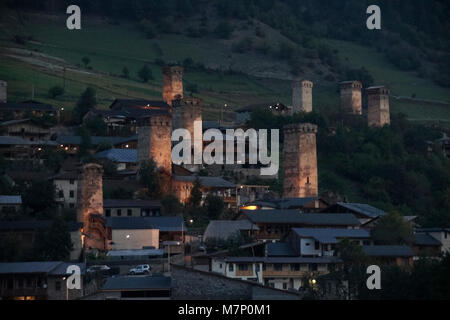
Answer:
(351, 100)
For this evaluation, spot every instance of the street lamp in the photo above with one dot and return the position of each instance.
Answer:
(224, 106)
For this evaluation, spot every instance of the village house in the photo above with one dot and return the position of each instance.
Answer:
(223, 229)
(15, 111)
(27, 129)
(364, 212)
(66, 185)
(440, 234)
(71, 143)
(307, 204)
(426, 246)
(17, 148)
(39, 280)
(154, 287)
(274, 224)
(10, 206)
(131, 208)
(124, 159)
(399, 255)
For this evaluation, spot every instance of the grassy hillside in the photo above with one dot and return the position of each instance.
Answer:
(111, 47)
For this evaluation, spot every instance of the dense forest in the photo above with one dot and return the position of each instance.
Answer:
(414, 35)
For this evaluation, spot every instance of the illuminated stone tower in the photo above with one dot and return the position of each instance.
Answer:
(378, 106)
(300, 161)
(302, 96)
(172, 84)
(154, 141)
(90, 207)
(3, 91)
(351, 99)
(185, 111)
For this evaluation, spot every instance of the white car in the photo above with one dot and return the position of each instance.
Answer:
(140, 269)
(97, 268)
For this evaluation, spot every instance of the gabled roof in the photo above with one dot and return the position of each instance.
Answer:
(11, 140)
(10, 199)
(294, 217)
(331, 235)
(47, 267)
(130, 203)
(222, 229)
(35, 224)
(137, 283)
(286, 203)
(388, 251)
(424, 239)
(161, 223)
(299, 259)
(279, 249)
(118, 155)
(95, 140)
(214, 182)
(363, 208)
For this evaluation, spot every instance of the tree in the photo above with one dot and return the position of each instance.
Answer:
(145, 73)
(223, 30)
(86, 61)
(214, 206)
(392, 229)
(55, 91)
(125, 72)
(196, 194)
(53, 243)
(170, 205)
(40, 196)
(148, 176)
(96, 126)
(86, 102)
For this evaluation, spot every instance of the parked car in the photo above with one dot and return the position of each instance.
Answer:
(98, 268)
(140, 269)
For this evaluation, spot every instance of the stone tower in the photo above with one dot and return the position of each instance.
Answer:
(378, 106)
(302, 96)
(300, 161)
(185, 111)
(3, 91)
(172, 84)
(351, 99)
(154, 141)
(90, 206)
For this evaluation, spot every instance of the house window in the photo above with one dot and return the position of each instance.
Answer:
(108, 212)
(61, 193)
(284, 285)
(313, 267)
(119, 212)
(278, 267)
(71, 181)
(72, 205)
(72, 193)
(129, 212)
(243, 267)
(220, 265)
(231, 267)
(317, 245)
(295, 266)
(58, 285)
(366, 242)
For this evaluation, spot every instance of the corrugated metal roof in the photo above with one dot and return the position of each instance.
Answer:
(331, 235)
(125, 203)
(10, 140)
(4, 199)
(294, 216)
(217, 182)
(161, 223)
(135, 252)
(424, 239)
(279, 249)
(118, 155)
(222, 229)
(363, 208)
(137, 283)
(388, 251)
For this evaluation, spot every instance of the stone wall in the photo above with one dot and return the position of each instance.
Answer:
(302, 96)
(300, 161)
(351, 99)
(154, 141)
(378, 106)
(172, 84)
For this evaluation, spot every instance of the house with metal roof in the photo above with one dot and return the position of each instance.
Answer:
(440, 234)
(153, 287)
(322, 241)
(363, 211)
(39, 280)
(400, 255)
(10, 205)
(426, 245)
(131, 208)
(274, 224)
(71, 143)
(125, 159)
